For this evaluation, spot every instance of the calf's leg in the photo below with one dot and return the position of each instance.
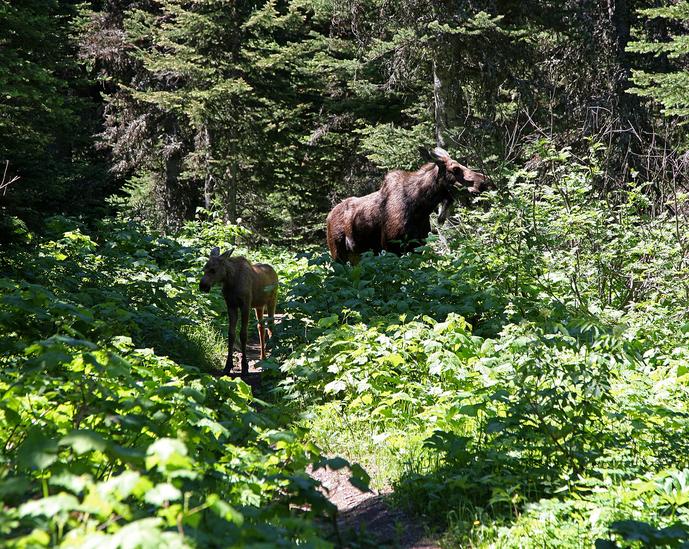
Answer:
(243, 336)
(261, 331)
(231, 330)
(271, 313)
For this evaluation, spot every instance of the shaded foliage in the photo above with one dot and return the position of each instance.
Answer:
(548, 405)
(47, 114)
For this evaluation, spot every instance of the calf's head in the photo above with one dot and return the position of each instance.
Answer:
(215, 269)
(455, 174)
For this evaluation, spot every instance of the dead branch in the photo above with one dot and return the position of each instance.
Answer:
(5, 183)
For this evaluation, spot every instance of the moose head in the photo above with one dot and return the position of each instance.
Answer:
(456, 175)
(215, 270)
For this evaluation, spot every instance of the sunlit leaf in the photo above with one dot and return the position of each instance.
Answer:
(84, 440)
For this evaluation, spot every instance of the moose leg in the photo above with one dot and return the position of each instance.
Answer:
(243, 335)
(261, 330)
(349, 245)
(231, 331)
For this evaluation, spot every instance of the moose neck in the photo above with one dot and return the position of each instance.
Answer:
(231, 269)
(431, 189)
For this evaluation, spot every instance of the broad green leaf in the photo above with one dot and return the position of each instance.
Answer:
(14, 485)
(359, 478)
(328, 321)
(162, 493)
(336, 386)
(50, 506)
(37, 451)
(84, 440)
(145, 534)
(224, 510)
(167, 454)
(121, 486)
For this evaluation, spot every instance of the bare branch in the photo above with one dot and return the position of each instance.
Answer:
(5, 183)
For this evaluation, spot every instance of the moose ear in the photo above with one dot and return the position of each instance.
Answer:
(439, 155)
(228, 253)
(215, 252)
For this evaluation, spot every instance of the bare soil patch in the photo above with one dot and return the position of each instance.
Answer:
(366, 519)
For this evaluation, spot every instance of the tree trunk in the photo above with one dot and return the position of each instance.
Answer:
(446, 87)
(208, 192)
(208, 176)
(231, 192)
(629, 107)
(620, 18)
(445, 114)
(234, 149)
(173, 208)
(179, 199)
(173, 167)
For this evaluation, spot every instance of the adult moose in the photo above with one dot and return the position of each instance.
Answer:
(398, 214)
(244, 286)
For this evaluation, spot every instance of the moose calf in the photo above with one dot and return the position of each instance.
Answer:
(400, 211)
(244, 286)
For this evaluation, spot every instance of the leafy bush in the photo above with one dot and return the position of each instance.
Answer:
(107, 441)
(520, 381)
(556, 389)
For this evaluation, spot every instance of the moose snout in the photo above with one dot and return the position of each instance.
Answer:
(204, 286)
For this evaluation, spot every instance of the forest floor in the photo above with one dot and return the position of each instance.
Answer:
(362, 516)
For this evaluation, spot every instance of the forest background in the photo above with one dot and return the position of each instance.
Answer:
(271, 112)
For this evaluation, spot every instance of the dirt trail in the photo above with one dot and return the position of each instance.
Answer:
(253, 353)
(366, 518)
(363, 517)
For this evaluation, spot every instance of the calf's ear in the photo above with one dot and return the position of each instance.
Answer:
(228, 253)
(425, 154)
(215, 252)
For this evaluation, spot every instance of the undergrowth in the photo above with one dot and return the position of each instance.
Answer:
(112, 431)
(520, 381)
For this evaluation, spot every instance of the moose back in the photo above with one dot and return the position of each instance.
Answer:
(398, 216)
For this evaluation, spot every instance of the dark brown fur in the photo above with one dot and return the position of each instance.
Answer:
(244, 286)
(397, 217)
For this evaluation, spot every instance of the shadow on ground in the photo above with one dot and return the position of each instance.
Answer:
(365, 519)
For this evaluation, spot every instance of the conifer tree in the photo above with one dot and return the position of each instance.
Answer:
(225, 92)
(46, 115)
(669, 88)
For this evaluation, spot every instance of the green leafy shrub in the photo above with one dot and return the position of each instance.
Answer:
(573, 358)
(108, 441)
